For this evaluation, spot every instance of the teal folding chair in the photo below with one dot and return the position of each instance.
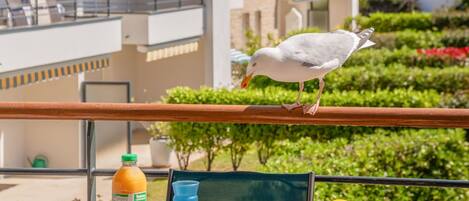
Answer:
(247, 186)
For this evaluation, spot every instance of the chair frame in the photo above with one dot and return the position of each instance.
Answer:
(310, 194)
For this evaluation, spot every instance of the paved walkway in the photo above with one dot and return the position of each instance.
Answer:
(48, 188)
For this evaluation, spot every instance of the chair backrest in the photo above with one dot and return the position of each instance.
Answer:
(19, 14)
(251, 186)
(54, 12)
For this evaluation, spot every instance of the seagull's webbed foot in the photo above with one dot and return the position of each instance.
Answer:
(311, 109)
(293, 106)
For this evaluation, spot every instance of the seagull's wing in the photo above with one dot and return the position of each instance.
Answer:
(315, 49)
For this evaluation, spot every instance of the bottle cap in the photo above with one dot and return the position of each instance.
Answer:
(129, 157)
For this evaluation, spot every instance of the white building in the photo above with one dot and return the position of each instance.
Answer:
(46, 53)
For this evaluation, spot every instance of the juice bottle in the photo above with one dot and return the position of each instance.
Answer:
(129, 183)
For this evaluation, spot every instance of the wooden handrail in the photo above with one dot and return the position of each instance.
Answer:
(350, 116)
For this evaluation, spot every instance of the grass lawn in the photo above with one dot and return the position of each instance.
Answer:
(157, 188)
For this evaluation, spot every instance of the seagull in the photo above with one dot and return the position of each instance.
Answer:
(305, 57)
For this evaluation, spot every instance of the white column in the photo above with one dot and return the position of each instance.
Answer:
(355, 12)
(217, 43)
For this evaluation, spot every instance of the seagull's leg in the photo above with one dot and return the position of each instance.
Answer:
(297, 104)
(314, 108)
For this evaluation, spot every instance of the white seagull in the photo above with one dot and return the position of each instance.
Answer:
(305, 57)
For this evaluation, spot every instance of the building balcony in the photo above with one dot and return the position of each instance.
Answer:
(44, 34)
(154, 22)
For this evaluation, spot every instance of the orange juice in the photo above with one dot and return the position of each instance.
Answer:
(129, 183)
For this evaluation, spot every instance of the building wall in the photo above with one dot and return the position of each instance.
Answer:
(12, 146)
(339, 10)
(251, 8)
(154, 78)
(285, 6)
(56, 139)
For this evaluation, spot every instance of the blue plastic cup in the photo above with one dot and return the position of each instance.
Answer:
(185, 188)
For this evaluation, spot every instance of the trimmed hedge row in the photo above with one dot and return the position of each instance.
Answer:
(276, 96)
(372, 78)
(212, 137)
(404, 56)
(387, 22)
(426, 153)
(452, 19)
(421, 39)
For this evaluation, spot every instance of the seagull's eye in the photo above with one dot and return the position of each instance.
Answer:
(254, 64)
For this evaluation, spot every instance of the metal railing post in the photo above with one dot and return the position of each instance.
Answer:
(108, 8)
(75, 10)
(36, 13)
(180, 3)
(90, 161)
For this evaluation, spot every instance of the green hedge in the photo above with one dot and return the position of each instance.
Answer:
(372, 78)
(455, 38)
(421, 39)
(387, 22)
(426, 153)
(211, 137)
(452, 19)
(276, 96)
(404, 56)
(407, 38)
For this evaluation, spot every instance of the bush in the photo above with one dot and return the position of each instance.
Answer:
(407, 38)
(387, 22)
(404, 56)
(455, 38)
(443, 56)
(427, 153)
(188, 137)
(373, 57)
(449, 79)
(452, 19)
(371, 6)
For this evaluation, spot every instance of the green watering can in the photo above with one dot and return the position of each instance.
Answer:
(40, 161)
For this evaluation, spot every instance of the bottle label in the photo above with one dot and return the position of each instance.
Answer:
(142, 196)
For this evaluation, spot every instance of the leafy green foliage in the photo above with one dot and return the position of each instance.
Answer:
(387, 22)
(452, 19)
(426, 153)
(372, 78)
(236, 138)
(407, 38)
(404, 56)
(455, 38)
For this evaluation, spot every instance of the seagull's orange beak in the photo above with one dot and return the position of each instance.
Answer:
(246, 80)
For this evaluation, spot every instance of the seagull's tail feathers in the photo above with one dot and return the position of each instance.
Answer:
(364, 38)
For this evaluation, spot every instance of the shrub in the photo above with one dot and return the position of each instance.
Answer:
(426, 153)
(455, 38)
(452, 19)
(407, 38)
(443, 56)
(371, 6)
(188, 137)
(386, 22)
(371, 57)
(404, 56)
(372, 78)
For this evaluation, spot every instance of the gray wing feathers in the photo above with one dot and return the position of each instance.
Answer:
(315, 49)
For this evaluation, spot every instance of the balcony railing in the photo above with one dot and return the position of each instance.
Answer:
(350, 116)
(17, 13)
(138, 6)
